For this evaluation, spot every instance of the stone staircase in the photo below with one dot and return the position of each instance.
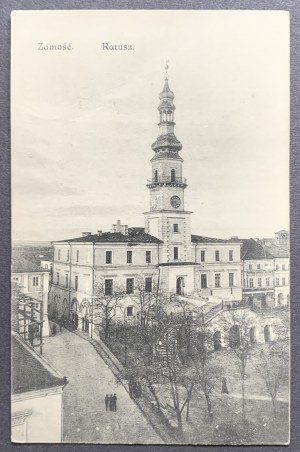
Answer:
(209, 315)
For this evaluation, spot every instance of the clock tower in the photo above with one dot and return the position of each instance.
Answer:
(167, 219)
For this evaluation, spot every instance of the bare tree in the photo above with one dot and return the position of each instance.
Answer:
(198, 351)
(105, 306)
(170, 368)
(272, 362)
(148, 301)
(237, 325)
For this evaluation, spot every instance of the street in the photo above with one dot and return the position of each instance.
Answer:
(85, 419)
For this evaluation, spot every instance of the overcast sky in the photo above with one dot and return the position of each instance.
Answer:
(83, 121)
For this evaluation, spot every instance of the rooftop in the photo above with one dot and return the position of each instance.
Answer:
(135, 235)
(203, 239)
(30, 372)
(254, 249)
(22, 265)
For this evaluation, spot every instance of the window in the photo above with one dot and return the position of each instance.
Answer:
(283, 266)
(76, 282)
(173, 175)
(148, 257)
(77, 256)
(175, 253)
(129, 285)
(258, 266)
(277, 281)
(129, 311)
(259, 282)
(277, 267)
(57, 278)
(35, 280)
(58, 255)
(16, 278)
(217, 256)
(148, 284)
(250, 266)
(250, 282)
(283, 281)
(129, 257)
(217, 280)
(67, 280)
(68, 255)
(108, 257)
(203, 281)
(108, 287)
(175, 227)
(202, 256)
(267, 282)
(231, 279)
(231, 255)
(46, 266)
(155, 176)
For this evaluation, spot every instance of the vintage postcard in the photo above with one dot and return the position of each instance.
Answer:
(150, 197)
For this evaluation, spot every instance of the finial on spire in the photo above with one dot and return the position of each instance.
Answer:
(166, 68)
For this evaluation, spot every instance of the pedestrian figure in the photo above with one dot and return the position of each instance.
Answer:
(111, 403)
(106, 402)
(224, 387)
(114, 402)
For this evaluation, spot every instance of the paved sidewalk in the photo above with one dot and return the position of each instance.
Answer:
(90, 379)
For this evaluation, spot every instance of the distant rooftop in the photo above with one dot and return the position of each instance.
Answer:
(22, 265)
(202, 239)
(30, 372)
(134, 235)
(262, 249)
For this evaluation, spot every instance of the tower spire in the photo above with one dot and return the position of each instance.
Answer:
(166, 69)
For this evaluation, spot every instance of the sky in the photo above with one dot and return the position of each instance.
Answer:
(83, 120)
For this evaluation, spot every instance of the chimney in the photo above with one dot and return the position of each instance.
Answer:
(126, 229)
(118, 228)
(99, 233)
(86, 234)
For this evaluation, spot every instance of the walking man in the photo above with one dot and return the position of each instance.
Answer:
(111, 403)
(114, 402)
(106, 402)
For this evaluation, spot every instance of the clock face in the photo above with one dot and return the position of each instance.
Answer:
(175, 202)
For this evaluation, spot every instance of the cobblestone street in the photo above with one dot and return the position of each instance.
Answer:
(90, 379)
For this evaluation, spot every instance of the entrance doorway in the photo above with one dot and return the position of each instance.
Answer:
(180, 286)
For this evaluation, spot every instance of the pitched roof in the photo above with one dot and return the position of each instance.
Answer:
(252, 250)
(30, 372)
(202, 239)
(22, 265)
(135, 235)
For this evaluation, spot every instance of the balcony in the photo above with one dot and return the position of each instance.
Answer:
(167, 180)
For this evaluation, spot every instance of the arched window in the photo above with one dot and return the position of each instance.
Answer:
(217, 340)
(173, 175)
(267, 334)
(155, 176)
(234, 336)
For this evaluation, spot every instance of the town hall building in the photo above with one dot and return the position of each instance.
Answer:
(164, 254)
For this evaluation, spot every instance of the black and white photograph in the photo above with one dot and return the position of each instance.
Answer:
(150, 273)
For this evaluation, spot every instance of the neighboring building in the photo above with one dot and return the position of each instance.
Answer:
(266, 271)
(163, 253)
(36, 402)
(33, 282)
(279, 248)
